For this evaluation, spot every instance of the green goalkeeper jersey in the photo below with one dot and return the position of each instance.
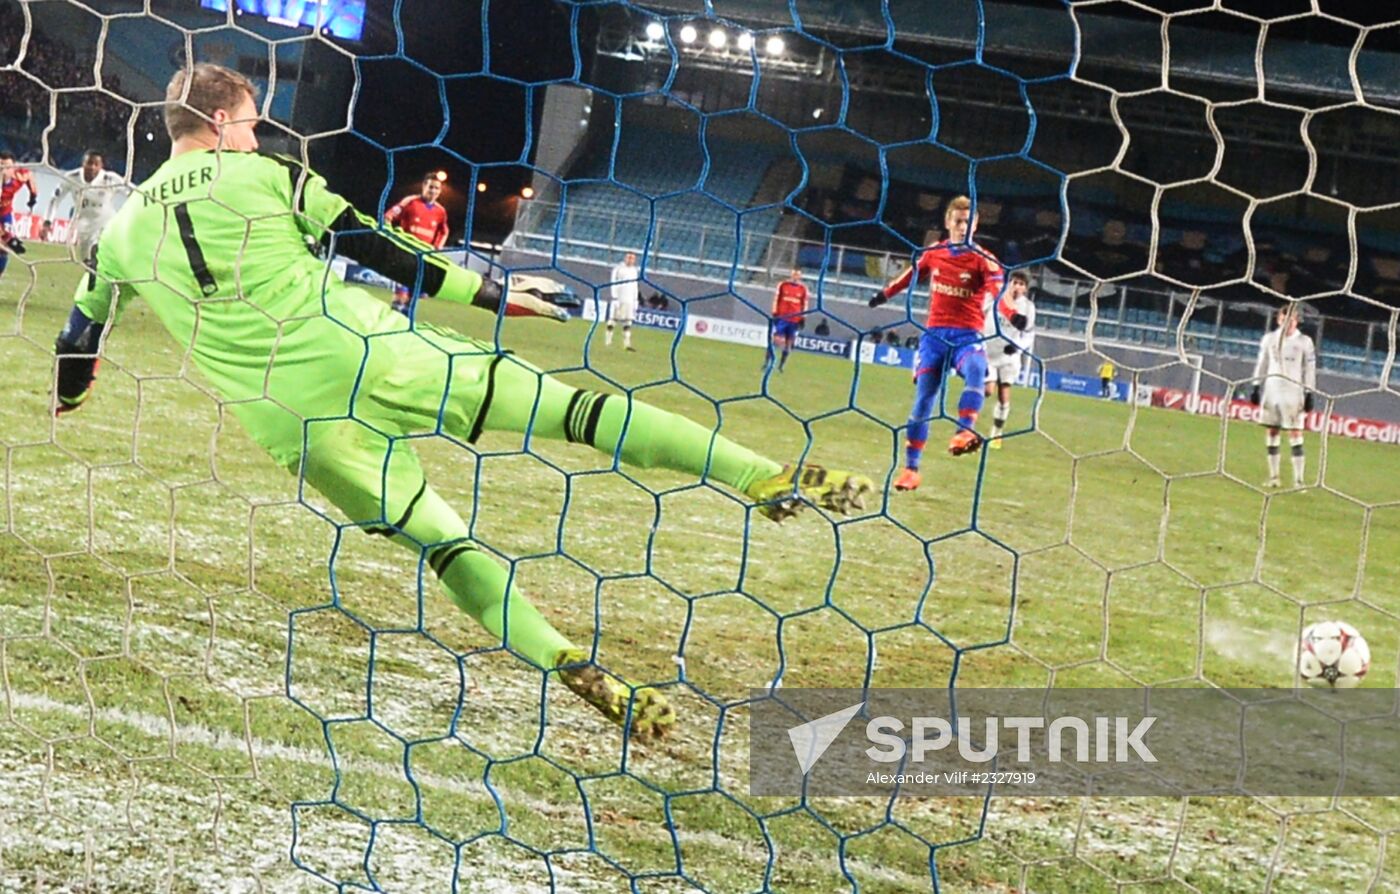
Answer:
(222, 247)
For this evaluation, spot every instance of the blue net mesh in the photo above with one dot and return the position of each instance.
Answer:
(699, 184)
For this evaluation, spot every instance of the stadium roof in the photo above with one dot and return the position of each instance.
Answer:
(917, 18)
(1302, 53)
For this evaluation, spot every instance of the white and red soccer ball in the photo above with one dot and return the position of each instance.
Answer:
(1333, 654)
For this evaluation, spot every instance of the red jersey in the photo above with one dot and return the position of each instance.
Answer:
(19, 179)
(791, 300)
(424, 220)
(962, 279)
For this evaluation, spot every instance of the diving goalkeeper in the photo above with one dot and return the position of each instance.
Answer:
(332, 383)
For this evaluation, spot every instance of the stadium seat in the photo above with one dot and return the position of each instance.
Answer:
(605, 214)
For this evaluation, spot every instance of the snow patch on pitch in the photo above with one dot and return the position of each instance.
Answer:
(252, 837)
(1247, 645)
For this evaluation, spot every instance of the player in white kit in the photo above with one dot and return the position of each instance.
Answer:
(95, 193)
(623, 306)
(1004, 351)
(1285, 375)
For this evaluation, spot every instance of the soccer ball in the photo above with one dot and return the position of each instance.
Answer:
(1334, 654)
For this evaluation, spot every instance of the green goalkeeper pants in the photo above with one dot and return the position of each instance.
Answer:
(446, 384)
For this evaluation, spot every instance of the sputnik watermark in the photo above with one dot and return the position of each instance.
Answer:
(1076, 742)
(810, 740)
(889, 747)
(1110, 740)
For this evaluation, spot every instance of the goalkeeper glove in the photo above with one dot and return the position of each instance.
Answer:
(76, 348)
(33, 200)
(1307, 401)
(1009, 350)
(1019, 321)
(527, 305)
(518, 304)
(1254, 396)
(878, 298)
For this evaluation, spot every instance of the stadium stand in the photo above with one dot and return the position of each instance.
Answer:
(86, 117)
(859, 210)
(695, 237)
(694, 234)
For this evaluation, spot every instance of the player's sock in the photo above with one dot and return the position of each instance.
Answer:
(547, 408)
(627, 337)
(1298, 462)
(973, 368)
(657, 438)
(1272, 444)
(974, 373)
(969, 405)
(475, 582)
(782, 364)
(999, 415)
(925, 395)
(4, 261)
(480, 586)
(607, 337)
(914, 450)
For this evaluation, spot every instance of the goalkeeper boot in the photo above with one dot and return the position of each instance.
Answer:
(964, 441)
(831, 489)
(909, 479)
(652, 715)
(15, 244)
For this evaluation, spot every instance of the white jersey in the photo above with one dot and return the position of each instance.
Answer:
(94, 201)
(1028, 337)
(1287, 365)
(1023, 339)
(624, 278)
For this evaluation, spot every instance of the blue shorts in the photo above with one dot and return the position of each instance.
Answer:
(942, 345)
(784, 328)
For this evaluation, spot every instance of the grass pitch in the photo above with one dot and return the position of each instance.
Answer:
(178, 670)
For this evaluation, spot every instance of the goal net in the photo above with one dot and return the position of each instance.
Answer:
(211, 680)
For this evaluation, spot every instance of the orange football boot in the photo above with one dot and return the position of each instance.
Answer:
(909, 479)
(965, 441)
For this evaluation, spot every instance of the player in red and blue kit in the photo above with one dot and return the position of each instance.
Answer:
(423, 217)
(12, 180)
(789, 304)
(963, 279)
